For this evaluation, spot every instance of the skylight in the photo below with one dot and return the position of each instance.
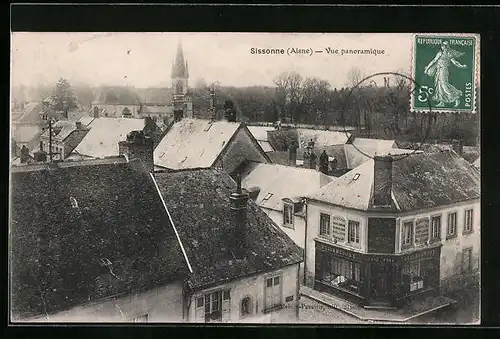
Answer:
(73, 201)
(269, 195)
(356, 176)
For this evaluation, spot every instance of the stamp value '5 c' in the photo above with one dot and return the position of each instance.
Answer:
(445, 72)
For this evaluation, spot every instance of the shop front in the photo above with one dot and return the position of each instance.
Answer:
(372, 279)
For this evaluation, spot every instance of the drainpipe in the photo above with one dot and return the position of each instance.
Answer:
(305, 242)
(187, 293)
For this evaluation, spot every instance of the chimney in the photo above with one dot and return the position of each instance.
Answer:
(311, 160)
(238, 205)
(79, 125)
(323, 163)
(138, 146)
(382, 181)
(178, 114)
(25, 154)
(41, 146)
(292, 154)
(457, 146)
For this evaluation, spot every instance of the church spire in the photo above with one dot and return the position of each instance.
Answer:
(179, 70)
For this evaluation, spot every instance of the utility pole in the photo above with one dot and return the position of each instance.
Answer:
(50, 140)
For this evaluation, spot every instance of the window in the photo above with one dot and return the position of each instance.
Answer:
(213, 306)
(288, 215)
(141, 319)
(451, 230)
(407, 233)
(273, 293)
(268, 196)
(436, 228)
(246, 306)
(467, 260)
(340, 273)
(324, 225)
(413, 274)
(353, 232)
(356, 176)
(468, 221)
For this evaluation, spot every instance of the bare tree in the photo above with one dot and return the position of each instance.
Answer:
(354, 77)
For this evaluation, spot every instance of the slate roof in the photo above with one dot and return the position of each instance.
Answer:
(193, 143)
(198, 201)
(61, 129)
(281, 182)
(56, 248)
(321, 138)
(104, 135)
(450, 176)
(260, 132)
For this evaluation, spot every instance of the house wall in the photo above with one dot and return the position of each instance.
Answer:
(451, 276)
(22, 133)
(451, 252)
(240, 149)
(254, 287)
(297, 233)
(313, 219)
(163, 304)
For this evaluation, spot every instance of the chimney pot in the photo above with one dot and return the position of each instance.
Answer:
(382, 181)
(138, 146)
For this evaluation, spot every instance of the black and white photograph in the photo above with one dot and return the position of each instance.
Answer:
(257, 178)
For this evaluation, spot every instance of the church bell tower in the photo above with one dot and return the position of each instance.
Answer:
(180, 96)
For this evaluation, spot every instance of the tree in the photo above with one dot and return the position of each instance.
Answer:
(200, 83)
(354, 77)
(62, 98)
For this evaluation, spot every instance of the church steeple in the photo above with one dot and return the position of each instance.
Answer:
(179, 69)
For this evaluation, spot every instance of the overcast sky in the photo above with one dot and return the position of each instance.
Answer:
(102, 58)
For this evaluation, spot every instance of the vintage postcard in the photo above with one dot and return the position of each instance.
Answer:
(245, 178)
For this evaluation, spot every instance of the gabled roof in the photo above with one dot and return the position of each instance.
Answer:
(198, 201)
(321, 138)
(449, 175)
(260, 132)
(193, 143)
(104, 135)
(379, 145)
(61, 129)
(67, 217)
(277, 182)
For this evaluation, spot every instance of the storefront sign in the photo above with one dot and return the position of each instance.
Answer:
(425, 254)
(339, 251)
(421, 231)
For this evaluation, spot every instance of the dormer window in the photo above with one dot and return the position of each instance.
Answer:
(356, 176)
(268, 196)
(74, 203)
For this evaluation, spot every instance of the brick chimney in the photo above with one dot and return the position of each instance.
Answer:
(25, 154)
(138, 146)
(292, 154)
(323, 162)
(310, 160)
(238, 205)
(382, 181)
(457, 146)
(79, 125)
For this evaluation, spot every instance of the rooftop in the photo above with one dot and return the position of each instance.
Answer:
(450, 176)
(104, 135)
(193, 143)
(67, 219)
(277, 182)
(322, 138)
(198, 201)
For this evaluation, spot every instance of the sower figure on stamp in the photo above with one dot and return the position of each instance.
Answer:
(438, 68)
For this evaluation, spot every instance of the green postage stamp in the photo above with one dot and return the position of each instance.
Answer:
(445, 70)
